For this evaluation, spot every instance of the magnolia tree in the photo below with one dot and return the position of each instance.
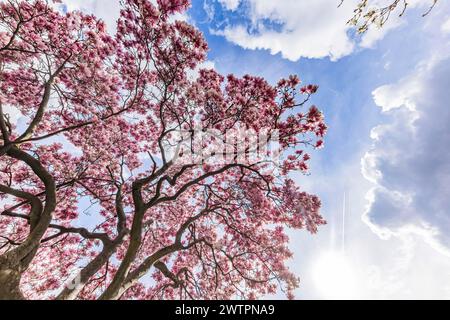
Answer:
(128, 175)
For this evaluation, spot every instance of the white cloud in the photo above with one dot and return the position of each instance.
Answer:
(230, 4)
(313, 29)
(410, 161)
(310, 29)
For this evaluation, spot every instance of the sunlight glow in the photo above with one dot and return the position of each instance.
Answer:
(334, 276)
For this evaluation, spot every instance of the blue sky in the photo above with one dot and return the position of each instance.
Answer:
(386, 98)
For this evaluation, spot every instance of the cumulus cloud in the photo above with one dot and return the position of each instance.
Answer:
(300, 28)
(410, 160)
(313, 29)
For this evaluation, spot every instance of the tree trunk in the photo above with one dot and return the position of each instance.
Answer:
(9, 285)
